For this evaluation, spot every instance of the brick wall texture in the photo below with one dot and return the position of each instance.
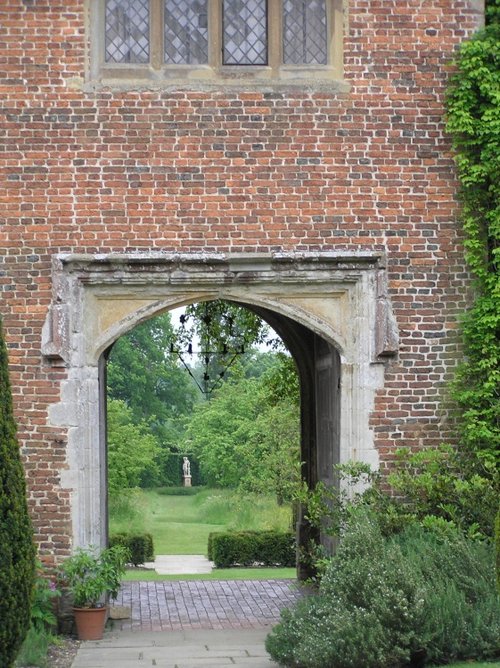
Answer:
(229, 169)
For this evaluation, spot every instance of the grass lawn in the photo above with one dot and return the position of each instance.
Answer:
(217, 574)
(181, 524)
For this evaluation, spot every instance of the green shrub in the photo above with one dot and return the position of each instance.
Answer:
(497, 546)
(248, 548)
(386, 601)
(42, 604)
(17, 551)
(140, 546)
(34, 650)
(462, 607)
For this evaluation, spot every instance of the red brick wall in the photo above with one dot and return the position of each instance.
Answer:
(232, 171)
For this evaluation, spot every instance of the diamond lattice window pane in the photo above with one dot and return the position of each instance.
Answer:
(127, 31)
(186, 32)
(245, 32)
(304, 32)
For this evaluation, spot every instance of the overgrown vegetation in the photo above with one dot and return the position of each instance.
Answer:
(41, 633)
(474, 124)
(419, 595)
(17, 551)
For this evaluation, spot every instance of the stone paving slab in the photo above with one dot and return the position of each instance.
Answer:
(176, 649)
(180, 564)
(204, 604)
(204, 623)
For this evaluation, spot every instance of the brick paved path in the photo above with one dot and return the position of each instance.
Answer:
(204, 604)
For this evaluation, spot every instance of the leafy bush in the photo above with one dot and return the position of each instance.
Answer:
(33, 651)
(90, 574)
(385, 601)
(139, 546)
(40, 636)
(461, 606)
(42, 604)
(17, 551)
(439, 483)
(497, 545)
(246, 548)
(132, 449)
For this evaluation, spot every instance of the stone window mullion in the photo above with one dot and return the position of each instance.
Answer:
(156, 33)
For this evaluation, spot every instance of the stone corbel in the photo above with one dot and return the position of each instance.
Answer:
(386, 330)
(55, 334)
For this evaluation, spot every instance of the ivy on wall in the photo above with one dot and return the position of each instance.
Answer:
(473, 106)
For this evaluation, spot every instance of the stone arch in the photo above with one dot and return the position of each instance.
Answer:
(331, 309)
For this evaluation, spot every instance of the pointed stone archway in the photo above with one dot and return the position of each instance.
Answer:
(330, 309)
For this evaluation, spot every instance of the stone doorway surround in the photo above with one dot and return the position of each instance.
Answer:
(340, 297)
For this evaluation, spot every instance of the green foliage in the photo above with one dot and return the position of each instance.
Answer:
(242, 511)
(249, 548)
(40, 635)
(143, 374)
(364, 614)
(497, 546)
(247, 437)
(385, 601)
(474, 123)
(461, 608)
(438, 483)
(140, 546)
(42, 604)
(17, 551)
(35, 648)
(131, 449)
(90, 574)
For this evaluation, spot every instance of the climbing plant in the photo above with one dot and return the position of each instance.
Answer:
(473, 105)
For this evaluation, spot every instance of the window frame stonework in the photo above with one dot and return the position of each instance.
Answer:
(159, 73)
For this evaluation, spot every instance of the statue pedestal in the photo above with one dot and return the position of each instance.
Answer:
(186, 481)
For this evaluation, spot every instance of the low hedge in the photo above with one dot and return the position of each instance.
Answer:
(249, 548)
(140, 545)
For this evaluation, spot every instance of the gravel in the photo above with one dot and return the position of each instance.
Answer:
(63, 654)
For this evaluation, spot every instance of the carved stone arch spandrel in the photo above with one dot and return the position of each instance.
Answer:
(338, 298)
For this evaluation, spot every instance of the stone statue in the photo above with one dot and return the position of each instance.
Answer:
(186, 468)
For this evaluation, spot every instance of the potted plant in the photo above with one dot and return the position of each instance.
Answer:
(93, 576)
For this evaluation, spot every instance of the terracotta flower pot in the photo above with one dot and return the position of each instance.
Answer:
(90, 622)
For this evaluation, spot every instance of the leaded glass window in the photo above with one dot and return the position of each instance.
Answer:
(304, 32)
(244, 32)
(186, 32)
(127, 31)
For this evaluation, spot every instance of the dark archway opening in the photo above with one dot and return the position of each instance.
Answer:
(319, 370)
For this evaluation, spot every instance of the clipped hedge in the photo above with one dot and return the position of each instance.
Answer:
(249, 548)
(140, 545)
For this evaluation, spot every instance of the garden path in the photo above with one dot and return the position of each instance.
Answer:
(204, 604)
